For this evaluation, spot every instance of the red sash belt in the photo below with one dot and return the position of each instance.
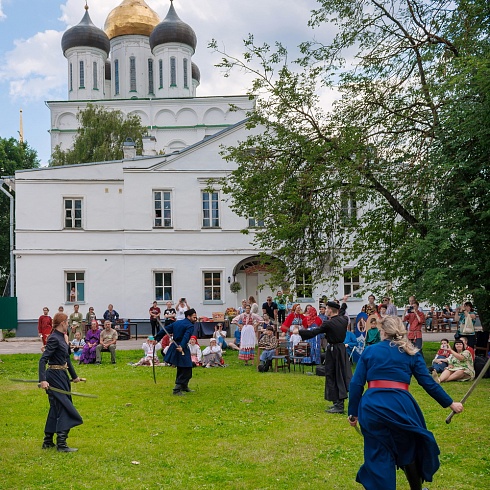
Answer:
(388, 384)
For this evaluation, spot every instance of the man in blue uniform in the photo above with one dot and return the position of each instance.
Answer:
(178, 353)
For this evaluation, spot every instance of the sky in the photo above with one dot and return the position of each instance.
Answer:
(33, 68)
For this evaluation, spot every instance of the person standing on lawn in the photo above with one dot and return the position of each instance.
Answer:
(62, 414)
(393, 427)
(338, 371)
(44, 326)
(178, 353)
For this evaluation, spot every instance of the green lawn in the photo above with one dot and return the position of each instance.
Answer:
(240, 430)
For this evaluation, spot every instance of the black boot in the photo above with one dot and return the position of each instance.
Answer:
(338, 407)
(61, 443)
(178, 390)
(413, 476)
(186, 389)
(48, 440)
(261, 366)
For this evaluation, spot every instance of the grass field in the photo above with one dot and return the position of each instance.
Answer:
(240, 430)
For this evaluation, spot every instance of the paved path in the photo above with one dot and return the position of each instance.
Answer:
(32, 345)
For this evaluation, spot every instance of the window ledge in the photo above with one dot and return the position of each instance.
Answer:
(163, 227)
(213, 302)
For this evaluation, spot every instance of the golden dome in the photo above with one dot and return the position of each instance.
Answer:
(131, 17)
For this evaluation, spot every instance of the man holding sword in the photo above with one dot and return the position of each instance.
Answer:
(178, 353)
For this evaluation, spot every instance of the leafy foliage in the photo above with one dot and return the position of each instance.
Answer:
(13, 156)
(407, 140)
(100, 137)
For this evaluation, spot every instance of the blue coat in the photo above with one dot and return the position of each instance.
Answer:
(392, 423)
(182, 330)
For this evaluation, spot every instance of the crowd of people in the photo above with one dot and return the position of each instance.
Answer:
(389, 349)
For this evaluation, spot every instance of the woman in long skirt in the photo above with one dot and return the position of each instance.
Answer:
(394, 430)
(62, 414)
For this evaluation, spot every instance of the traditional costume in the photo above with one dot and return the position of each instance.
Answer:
(62, 414)
(182, 331)
(338, 371)
(392, 424)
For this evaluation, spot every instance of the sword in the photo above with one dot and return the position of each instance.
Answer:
(69, 392)
(52, 388)
(358, 430)
(165, 330)
(18, 380)
(473, 386)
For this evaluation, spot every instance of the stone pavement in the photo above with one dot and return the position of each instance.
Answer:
(32, 345)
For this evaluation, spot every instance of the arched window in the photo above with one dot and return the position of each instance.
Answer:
(173, 73)
(116, 77)
(132, 74)
(151, 89)
(71, 76)
(82, 75)
(95, 76)
(160, 72)
(186, 85)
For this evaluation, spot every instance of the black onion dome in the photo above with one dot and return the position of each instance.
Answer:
(85, 34)
(196, 74)
(173, 30)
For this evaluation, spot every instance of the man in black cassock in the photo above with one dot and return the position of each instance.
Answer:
(62, 414)
(338, 372)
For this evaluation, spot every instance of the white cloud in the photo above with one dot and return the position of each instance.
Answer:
(2, 15)
(34, 69)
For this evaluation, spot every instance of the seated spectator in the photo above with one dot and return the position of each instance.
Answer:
(92, 340)
(350, 342)
(77, 345)
(211, 355)
(429, 316)
(269, 343)
(460, 364)
(372, 332)
(439, 362)
(295, 338)
(195, 350)
(150, 348)
(220, 335)
(111, 314)
(108, 339)
(237, 336)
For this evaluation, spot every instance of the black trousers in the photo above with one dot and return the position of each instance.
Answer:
(281, 316)
(184, 375)
(154, 326)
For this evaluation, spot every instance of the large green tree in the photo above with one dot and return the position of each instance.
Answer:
(100, 137)
(13, 156)
(406, 140)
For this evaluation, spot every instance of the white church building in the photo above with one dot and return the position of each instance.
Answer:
(143, 228)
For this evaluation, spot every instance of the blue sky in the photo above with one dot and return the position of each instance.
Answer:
(33, 69)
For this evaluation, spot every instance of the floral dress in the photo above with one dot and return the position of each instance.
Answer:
(466, 364)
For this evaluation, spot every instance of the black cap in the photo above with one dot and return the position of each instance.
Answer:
(333, 304)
